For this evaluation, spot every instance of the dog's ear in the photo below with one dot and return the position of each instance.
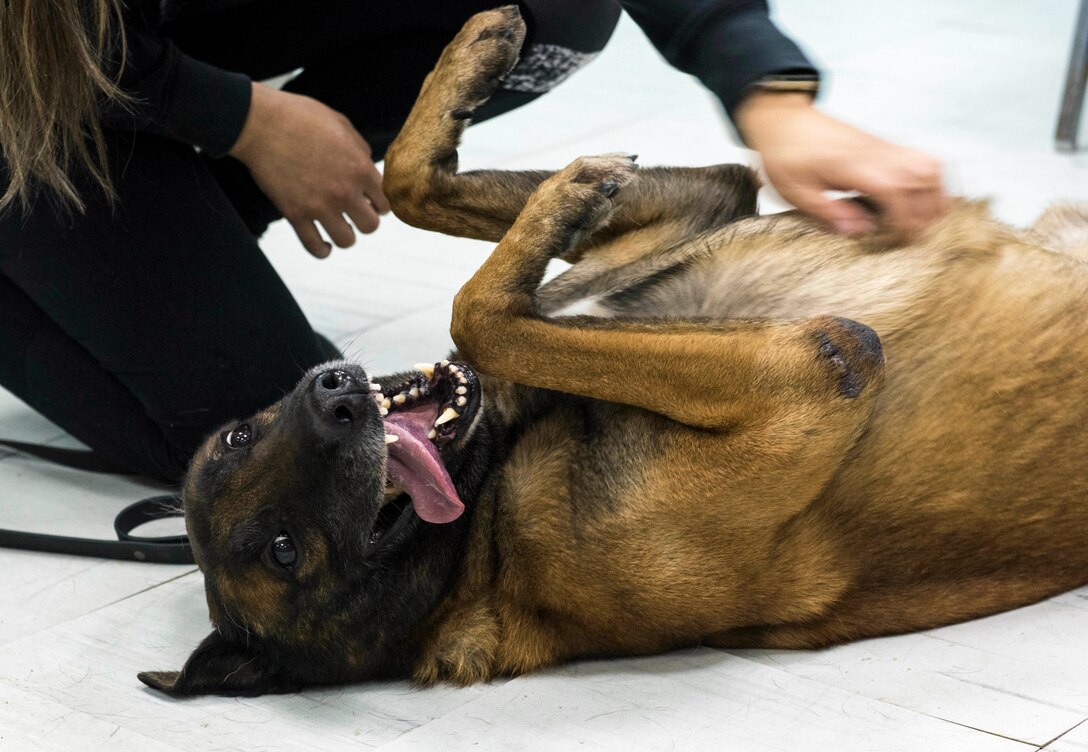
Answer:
(220, 667)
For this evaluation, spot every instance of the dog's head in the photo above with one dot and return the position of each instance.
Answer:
(329, 525)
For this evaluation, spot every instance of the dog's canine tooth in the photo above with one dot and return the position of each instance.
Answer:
(400, 399)
(448, 415)
(427, 369)
(390, 438)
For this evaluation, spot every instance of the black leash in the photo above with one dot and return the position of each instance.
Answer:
(171, 549)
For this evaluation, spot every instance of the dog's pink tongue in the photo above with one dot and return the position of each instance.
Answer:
(414, 466)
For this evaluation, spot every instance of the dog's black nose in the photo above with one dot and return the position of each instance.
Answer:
(342, 398)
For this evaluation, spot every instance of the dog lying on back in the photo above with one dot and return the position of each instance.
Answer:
(723, 455)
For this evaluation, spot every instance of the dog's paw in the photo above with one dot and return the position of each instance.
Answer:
(479, 58)
(586, 188)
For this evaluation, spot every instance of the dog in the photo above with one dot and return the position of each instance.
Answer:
(766, 436)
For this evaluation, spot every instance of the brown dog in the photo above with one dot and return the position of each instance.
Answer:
(712, 459)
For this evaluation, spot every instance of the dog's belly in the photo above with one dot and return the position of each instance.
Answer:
(974, 466)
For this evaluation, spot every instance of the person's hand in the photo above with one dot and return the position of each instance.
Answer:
(313, 165)
(806, 153)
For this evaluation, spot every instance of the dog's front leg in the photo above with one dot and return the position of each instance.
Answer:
(708, 374)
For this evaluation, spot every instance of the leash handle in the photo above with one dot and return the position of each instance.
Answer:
(172, 549)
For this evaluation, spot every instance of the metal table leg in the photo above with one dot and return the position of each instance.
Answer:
(1075, 80)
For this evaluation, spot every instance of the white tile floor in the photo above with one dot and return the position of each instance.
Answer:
(974, 81)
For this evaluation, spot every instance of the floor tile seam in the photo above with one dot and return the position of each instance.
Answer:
(1030, 745)
(13, 644)
(914, 711)
(393, 319)
(493, 685)
(153, 743)
(1068, 731)
(883, 700)
(301, 287)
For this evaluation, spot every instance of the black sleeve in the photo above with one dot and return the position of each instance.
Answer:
(726, 44)
(176, 96)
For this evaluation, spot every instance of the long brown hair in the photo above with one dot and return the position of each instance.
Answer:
(52, 82)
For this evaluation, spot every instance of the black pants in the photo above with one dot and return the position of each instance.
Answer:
(141, 327)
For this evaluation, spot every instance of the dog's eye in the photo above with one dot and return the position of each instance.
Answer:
(283, 550)
(239, 437)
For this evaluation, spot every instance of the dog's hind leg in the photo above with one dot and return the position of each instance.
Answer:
(426, 190)
(710, 374)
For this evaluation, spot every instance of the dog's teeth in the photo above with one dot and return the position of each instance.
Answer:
(383, 411)
(386, 403)
(462, 401)
(454, 369)
(375, 387)
(390, 438)
(461, 378)
(399, 399)
(461, 390)
(427, 369)
(447, 416)
(444, 363)
(413, 392)
(432, 434)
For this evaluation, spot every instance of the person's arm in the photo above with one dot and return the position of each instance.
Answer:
(309, 159)
(734, 49)
(175, 96)
(729, 45)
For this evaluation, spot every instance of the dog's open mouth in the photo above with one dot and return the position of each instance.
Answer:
(423, 418)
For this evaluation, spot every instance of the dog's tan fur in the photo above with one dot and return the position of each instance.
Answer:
(796, 520)
(720, 455)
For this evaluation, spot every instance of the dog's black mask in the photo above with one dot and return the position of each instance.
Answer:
(329, 525)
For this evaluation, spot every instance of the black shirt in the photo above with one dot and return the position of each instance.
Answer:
(727, 44)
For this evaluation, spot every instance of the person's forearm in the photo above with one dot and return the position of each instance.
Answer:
(174, 95)
(760, 114)
(728, 45)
